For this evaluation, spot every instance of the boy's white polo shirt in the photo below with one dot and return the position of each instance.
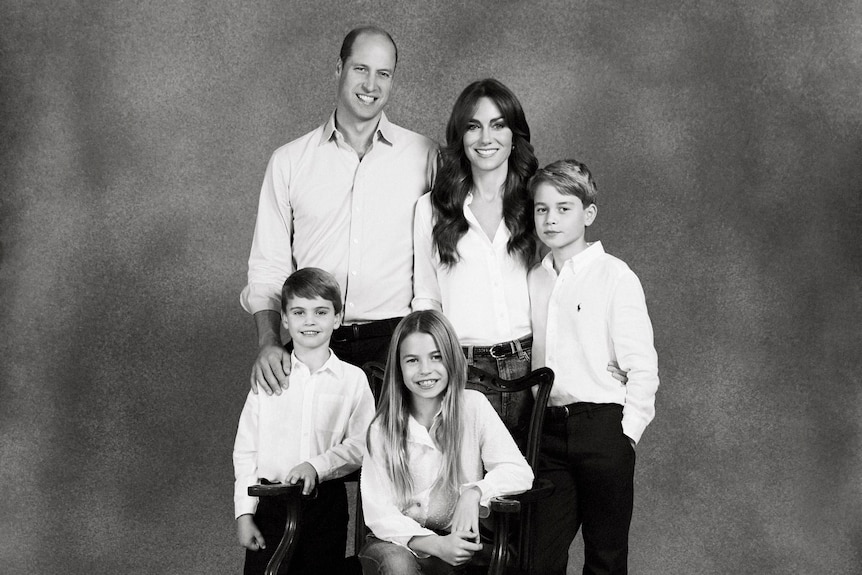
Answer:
(592, 313)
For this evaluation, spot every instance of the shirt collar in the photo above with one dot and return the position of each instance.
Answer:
(333, 365)
(385, 131)
(417, 433)
(577, 261)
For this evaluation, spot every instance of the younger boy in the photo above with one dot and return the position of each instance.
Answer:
(588, 309)
(313, 432)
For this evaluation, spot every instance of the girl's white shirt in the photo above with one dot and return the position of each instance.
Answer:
(485, 444)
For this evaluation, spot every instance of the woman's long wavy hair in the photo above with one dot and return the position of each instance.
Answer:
(455, 175)
(395, 400)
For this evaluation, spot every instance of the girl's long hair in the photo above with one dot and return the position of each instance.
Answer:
(455, 175)
(394, 409)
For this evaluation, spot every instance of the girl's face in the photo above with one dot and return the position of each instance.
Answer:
(422, 368)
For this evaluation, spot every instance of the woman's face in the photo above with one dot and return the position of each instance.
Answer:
(488, 140)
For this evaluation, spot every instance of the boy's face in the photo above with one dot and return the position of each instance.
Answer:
(561, 221)
(310, 322)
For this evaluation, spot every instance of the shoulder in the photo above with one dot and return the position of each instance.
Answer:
(412, 138)
(613, 266)
(475, 402)
(297, 147)
(423, 205)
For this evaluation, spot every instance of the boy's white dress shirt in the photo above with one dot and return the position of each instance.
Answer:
(484, 295)
(322, 207)
(321, 418)
(486, 445)
(592, 313)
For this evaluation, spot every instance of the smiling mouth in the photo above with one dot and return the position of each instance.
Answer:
(486, 153)
(309, 333)
(365, 99)
(426, 384)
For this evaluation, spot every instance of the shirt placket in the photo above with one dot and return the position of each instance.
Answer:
(354, 254)
(307, 413)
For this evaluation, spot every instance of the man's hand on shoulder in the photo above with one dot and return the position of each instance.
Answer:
(271, 370)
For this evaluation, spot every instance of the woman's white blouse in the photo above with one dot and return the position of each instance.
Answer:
(485, 294)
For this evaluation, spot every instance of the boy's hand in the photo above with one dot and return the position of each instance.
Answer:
(466, 516)
(271, 370)
(249, 535)
(306, 473)
(618, 373)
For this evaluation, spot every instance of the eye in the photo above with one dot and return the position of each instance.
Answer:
(409, 360)
(437, 356)
(499, 125)
(386, 74)
(540, 210)
(472, 127)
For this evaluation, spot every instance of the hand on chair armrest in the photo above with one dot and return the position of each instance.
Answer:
(541, 489)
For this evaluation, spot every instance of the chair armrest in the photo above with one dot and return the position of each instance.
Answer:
(541, 489)
(273, 489)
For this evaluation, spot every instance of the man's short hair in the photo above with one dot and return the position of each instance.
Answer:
(347, 44)
(312, 283)
(569, 177)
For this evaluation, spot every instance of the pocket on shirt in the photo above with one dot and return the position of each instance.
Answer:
(330, 408)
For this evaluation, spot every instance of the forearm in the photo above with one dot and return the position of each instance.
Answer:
(268, 323)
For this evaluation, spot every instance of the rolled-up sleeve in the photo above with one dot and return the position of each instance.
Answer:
(426, 289)
(271, 259)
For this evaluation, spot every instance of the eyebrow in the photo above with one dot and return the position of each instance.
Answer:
(497, 119)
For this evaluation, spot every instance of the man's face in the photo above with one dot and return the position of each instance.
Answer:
(365, 79)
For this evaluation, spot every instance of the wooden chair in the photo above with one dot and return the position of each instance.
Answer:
(293, 499)
(511, 548)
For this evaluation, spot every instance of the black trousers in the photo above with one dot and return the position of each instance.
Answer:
(591, 464)
(322, 537)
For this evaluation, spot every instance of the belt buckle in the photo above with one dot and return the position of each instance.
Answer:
(493, 354)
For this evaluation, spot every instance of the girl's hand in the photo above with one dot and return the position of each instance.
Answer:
(466, 516)
(456, 548)
(249, 535)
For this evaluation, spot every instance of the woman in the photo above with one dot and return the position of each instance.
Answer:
(474, 240)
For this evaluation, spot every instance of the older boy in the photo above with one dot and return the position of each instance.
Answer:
(313, 432)
(588, 309)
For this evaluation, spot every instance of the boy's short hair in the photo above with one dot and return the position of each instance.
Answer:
(311, 283)
(569, 177)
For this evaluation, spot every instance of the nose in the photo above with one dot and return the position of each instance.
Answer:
(486, 134)
(424, 366)
(369, 83)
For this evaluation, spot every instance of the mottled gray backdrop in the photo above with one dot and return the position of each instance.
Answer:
(726, 138)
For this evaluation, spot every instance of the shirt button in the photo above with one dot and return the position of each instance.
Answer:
(355, 241)
(353, 273)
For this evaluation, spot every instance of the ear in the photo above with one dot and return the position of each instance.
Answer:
(338, 317)
(284, 319)
(590, 213)
(338, 67)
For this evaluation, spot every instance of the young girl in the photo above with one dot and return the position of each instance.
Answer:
(423, 486)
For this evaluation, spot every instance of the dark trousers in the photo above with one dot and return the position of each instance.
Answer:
(364, 343)
(591, 464)
(322, 537)
(361, 351)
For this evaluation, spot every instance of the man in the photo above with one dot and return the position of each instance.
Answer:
(341, 198)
